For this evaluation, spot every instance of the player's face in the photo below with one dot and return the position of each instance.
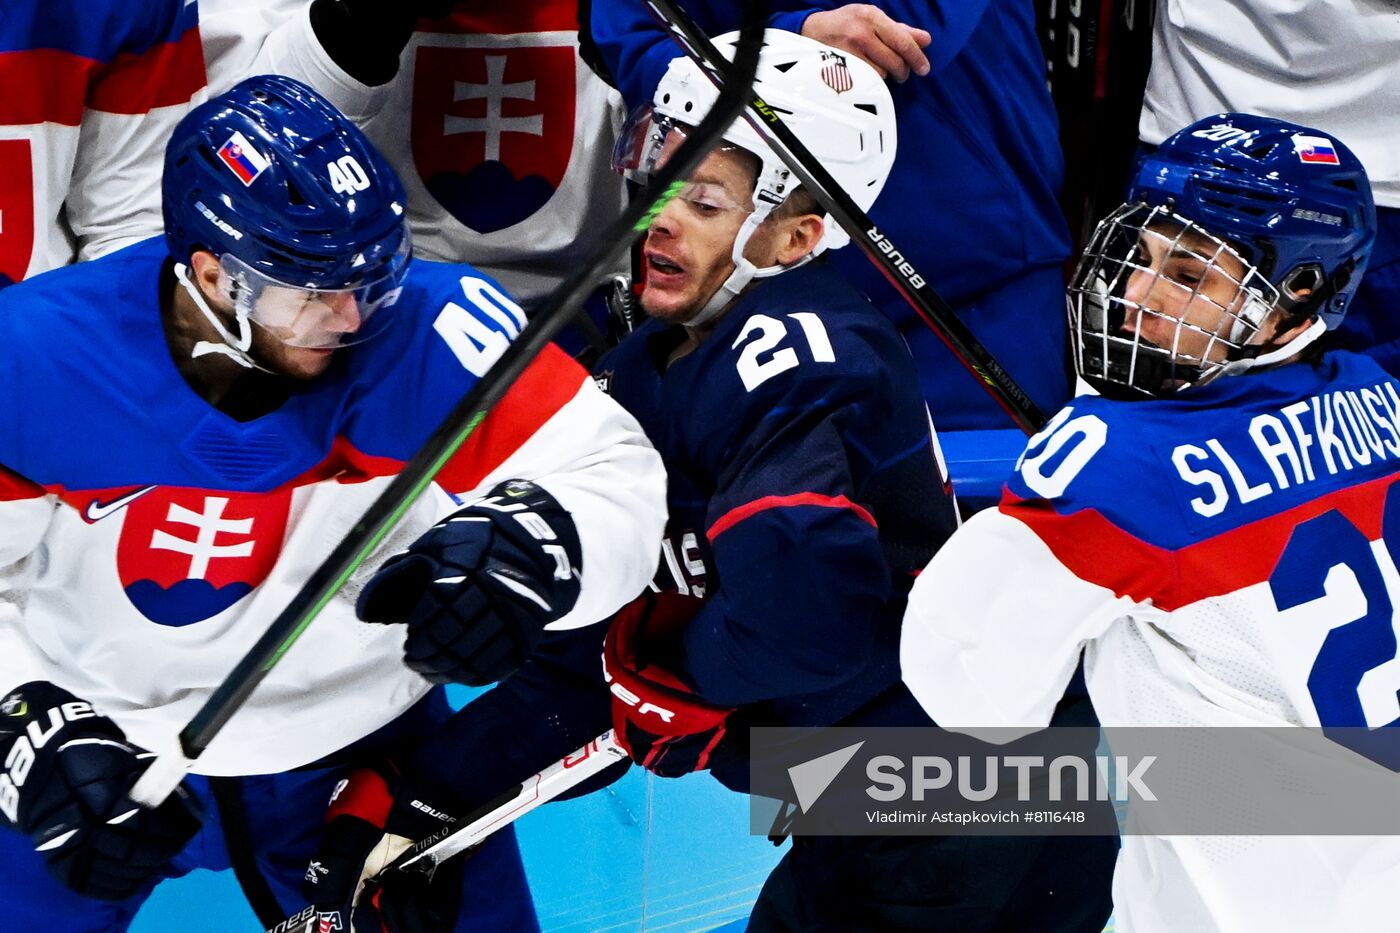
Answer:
(1187, 291)
(688, 252)
(297, 331)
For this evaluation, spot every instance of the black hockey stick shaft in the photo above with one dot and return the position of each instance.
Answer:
(473, 829)
(891, 261)
(170, 765)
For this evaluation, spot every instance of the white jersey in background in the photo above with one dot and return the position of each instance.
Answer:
(1330, 64)
(1220, 558)
(502, 135)
(89, 92)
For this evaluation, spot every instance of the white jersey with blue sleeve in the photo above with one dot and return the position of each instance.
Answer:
(1225, 557)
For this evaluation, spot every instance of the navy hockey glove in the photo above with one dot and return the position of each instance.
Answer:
(365, 831)
(67, 772)
(657, 717)
(478, 588)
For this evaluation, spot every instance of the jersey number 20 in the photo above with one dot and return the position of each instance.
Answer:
(1332, 575)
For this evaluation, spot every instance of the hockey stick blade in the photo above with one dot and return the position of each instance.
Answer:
(166, 771)
(470, 831)
(890, 260)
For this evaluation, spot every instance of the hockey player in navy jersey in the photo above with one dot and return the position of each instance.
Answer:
(193, 424)
(804, 490)
(1212, 529)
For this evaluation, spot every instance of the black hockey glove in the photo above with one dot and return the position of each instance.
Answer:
(366, 831)
(478, 588)
(67, 772)
(365, 37)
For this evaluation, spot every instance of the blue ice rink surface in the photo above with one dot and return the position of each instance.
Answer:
(593, 865)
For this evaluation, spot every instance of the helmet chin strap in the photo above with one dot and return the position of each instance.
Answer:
(744, 271)
(235, 348)
(1273, 357)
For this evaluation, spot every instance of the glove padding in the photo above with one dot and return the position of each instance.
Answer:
(365, 832)
(657, 717)
(478, 588)
(67, 774)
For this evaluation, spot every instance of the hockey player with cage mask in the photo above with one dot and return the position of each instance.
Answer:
(804, 489)
(1204, 273)
(1208, 528)
(200, 419)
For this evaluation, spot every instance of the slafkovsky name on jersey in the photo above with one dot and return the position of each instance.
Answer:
(1300, 443)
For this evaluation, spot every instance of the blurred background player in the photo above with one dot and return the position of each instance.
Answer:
(91, 92)
(981, 156)
(205, 415)
(804, 489)
(499, 130)
(1324, 63)
(1190, 528)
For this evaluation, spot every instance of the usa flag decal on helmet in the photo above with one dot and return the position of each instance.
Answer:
(835, 74)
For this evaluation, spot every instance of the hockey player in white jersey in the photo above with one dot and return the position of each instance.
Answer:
(193, 424)
(89, 92)
(1188, 527)
(500, 131)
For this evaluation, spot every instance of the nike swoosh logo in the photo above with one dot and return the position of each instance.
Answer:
(96, 511)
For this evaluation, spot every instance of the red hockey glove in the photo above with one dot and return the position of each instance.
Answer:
(657, 717)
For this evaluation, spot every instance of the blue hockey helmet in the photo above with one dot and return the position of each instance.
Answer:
(287, 192)
(1272, 216)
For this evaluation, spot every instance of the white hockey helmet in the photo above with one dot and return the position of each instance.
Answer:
(836, 105)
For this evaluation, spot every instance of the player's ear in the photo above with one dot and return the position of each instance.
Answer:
(204, 269)
(800, 236)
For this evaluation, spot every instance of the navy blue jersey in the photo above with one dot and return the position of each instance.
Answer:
(972, 199)
(804, 492)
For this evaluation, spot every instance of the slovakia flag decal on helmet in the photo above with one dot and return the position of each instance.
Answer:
(242, 159)
(1317, 149)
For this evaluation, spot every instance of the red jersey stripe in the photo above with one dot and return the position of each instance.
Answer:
(43, 86)
(504, 17)
(543, 388)
(162, 76)
(14, 487)
(1094, 549)
(736, 515)
(50, 86)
